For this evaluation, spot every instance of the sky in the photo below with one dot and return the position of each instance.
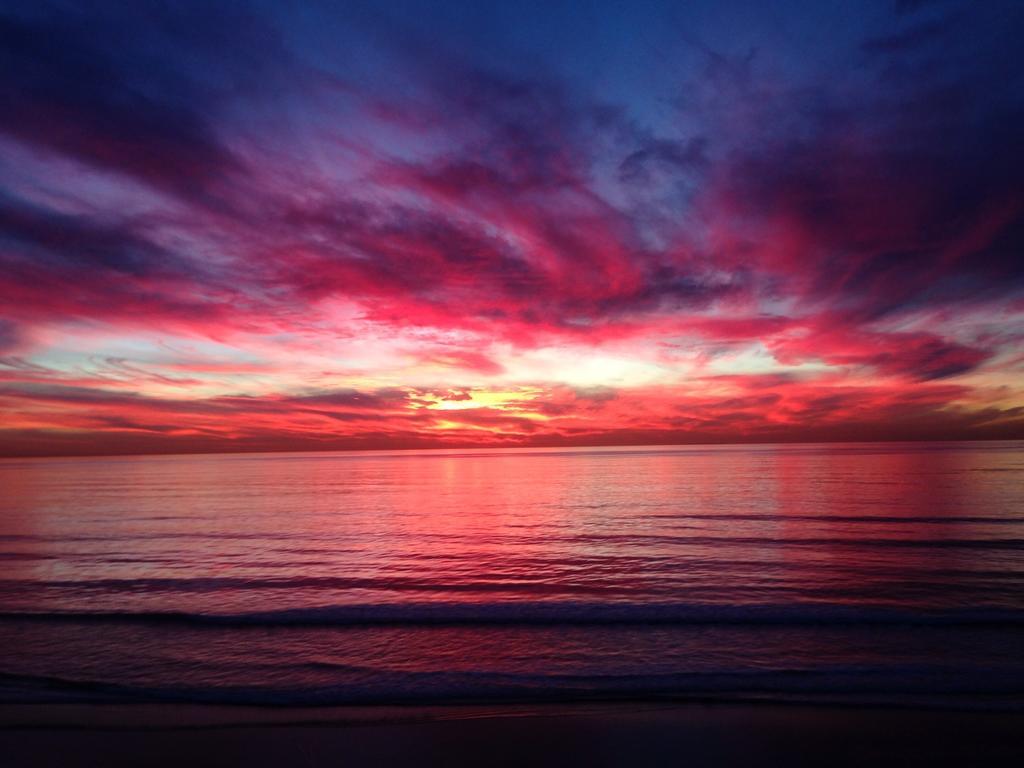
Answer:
(312, 226)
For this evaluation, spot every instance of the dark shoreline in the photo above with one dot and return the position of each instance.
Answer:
(693, 734)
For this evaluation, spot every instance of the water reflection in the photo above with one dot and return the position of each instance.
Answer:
(915, 526)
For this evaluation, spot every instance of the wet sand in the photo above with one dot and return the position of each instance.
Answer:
(594, 735)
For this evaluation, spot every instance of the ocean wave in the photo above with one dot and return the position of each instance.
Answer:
(547, 613)
(840, 518)
(900, 686)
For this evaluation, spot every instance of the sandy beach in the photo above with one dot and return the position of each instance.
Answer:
(600, 734)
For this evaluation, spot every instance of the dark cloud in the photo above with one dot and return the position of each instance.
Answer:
(382, 399)
(63, 241)
(137, 89)
(904, 193)
(66, 95)
(10, 336)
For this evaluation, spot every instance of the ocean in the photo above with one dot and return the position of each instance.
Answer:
(885, 574)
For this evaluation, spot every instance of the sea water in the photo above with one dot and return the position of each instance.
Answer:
(861, 573)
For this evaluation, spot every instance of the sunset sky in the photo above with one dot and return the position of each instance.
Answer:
(273, 226)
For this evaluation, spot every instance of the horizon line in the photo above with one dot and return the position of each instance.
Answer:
(428, 449)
